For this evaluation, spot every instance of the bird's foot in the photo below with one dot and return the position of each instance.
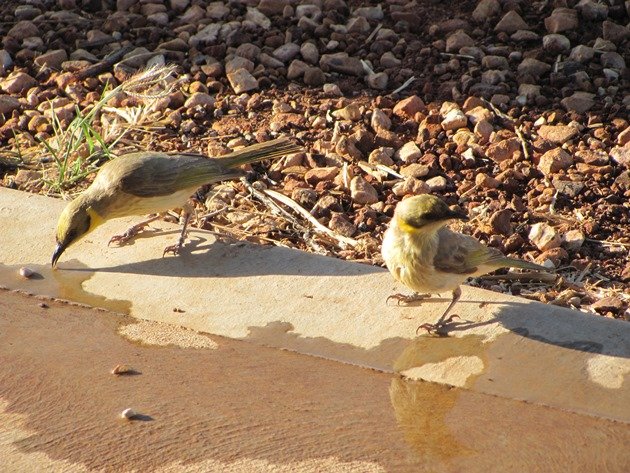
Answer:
(407, 298)
(173, 249)
(437, 328)
(128, 235)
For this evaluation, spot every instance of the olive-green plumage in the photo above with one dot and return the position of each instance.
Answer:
(427, 257)
(149, 182)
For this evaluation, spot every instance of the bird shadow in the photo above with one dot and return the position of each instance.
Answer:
(201, 257)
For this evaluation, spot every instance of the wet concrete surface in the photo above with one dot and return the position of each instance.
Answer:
(227, 405)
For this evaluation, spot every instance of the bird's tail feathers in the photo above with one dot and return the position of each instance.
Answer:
(268, 150)
(508, 262)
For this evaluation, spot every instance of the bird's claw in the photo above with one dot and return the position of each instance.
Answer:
(406, 298)
(122, 238)
(172, 249)
(438, 327)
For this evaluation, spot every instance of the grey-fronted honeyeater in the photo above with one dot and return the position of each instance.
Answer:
(427, 257)
(148, 182)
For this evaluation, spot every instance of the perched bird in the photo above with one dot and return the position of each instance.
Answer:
(427, 257)
(148, 182)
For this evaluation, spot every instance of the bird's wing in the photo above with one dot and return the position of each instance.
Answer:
(462, 254)
(157, 174)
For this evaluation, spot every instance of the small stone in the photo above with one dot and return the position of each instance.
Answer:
(407, 108)
(458, 40)
(614, 32)
(437, 183)
(608, 304)
(524, 36)
(340, 224)
(533, 67)
(573, 240)
(314, 76)
(286, 52)
(561, 19)
(579, 102)
(557, 134)
(382, 155)
(486, 9)
(296, 69)
(371, 13)
(128, 414)
(23, 29)
(389, 60)
(486, 182)
(316, 175)
(199, 99)
(602, 45)
(503, 150)
(52, 59)
(377, 81)
(121, 369)
(27, 273)
(17, 83)
(26, 176)
(332, 89)
(352, 112)
(454, 119)
(613, 60)
(582, 53)
(554, 160)
(554, 255)
(242, 81)
(179, 5)
(309, 53)
(624, 137)
(380, 121)
(544, 236)
(362, 192)
(483, 129)
(621, 155)
(305, 197)
(510, 23)
(410, 186)
(409, 152)
(8, 104)
(500, 222)
(495, 62)
(255, 16)
(416, 170)
(237, 63)
(592, 11)
(358, 25)
(341, 62)
(272, 7)
(556, 43)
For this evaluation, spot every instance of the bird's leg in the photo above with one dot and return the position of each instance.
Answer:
(407, 298)
(174, 249)
(443, 320)
(133, 231)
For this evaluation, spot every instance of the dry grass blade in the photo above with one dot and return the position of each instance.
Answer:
(343, 241)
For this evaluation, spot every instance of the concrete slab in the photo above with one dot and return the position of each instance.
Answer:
(511, 347)
(211, 404)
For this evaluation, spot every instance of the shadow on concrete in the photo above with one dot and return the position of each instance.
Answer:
(202, 257)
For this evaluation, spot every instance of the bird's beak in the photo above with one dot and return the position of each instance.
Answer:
(458, 214)
(59, 249)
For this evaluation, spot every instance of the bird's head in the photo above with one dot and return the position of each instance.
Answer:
(76, 220)
(425, 212)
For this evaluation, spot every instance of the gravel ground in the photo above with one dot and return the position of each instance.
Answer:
(516, 111)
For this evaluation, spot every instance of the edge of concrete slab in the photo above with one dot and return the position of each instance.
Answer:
(506, 346)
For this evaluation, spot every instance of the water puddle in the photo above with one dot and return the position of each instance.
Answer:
(66, 284)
